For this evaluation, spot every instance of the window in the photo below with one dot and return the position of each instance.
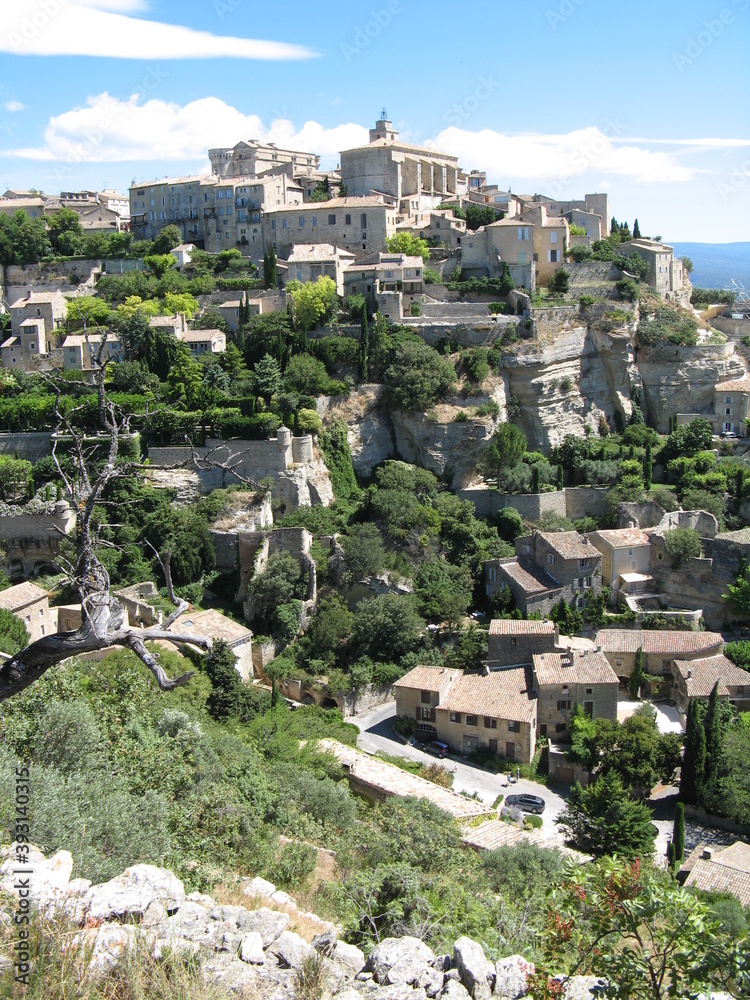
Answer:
(315, 220)
(523, 232)
(425, 697)
(273, 223)
(728, 410)
(363, 221)
(490, 723)
(347, 220)
(543, 729)
(425, 714)
(283, 223)
(589, 690)
(471, 720)
(302, 222)
(665, 666)
(588, 708)
(563, 705)
(553, 237)
(550, 559)
(553, 256)
(560, 727)
(583, 563)
(331, 220)
(455, 716)
(513, 726)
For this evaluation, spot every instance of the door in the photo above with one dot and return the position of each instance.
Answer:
(493, 746)
(510, 750)
(565, 775)
(471, 743)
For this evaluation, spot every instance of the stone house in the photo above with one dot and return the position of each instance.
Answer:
(201, 342)
(569, 678)
(697, 679)
(626, 558)
(534, 591)
(508, 241)
(660, 649)
(587, 220)
(595, 205)
(30, 604)
(182, 254)
(251, 158)
(719, 869)
(496, 710)
(215, 625)
(175, 325)
(731, 401)
(35, 320)
(30, 537)
(438, 227)
(666, 274)
(551, 238)
(514, 642)
(310, 261)
(569, 559)
(413, 178)
(31, 205)
(100, 219)
(361, 225)
(79, 352)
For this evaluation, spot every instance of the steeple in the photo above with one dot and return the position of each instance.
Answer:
(383, 128)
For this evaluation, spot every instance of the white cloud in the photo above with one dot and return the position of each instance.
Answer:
(14, 106)
(109, 130)
(106, 28)
(549, 158)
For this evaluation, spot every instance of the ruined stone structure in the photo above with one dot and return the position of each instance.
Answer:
(31, 536)
(255, 549)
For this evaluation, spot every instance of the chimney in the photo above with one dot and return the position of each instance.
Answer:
(598, 647)
(689, 674)
(485, 670)
(708, 853)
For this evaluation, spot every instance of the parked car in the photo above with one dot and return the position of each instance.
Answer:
(436, 748)
(526, 803)
(477, 615)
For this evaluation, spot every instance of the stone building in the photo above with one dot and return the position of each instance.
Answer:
(255, 548)
(660, 649)
(35, 321)
(30, 604)
(310, 261)
(666, 274)
(510, 242)
(251, 158)
(200, 342)
(359, 224)
(30, 537)
(731, 401)
(626, 558)
(437, 227)
(495, 710)
(412, 178)
(514, 642)
(569, 678)
(215, 625)
(80, 351)
(548, 566)
(30, 205)
(697, 679)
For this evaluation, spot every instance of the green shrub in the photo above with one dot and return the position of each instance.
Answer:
(294, 865)
(682, 544)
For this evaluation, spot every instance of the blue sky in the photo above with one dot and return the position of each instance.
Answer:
(647, 101)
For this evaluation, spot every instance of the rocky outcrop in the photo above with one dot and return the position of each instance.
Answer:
(146, 911)
(682, 379)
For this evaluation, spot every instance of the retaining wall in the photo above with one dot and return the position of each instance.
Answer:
(572, 502)
(31, 445)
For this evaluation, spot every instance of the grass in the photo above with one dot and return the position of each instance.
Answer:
(430, 772)
(310, 980)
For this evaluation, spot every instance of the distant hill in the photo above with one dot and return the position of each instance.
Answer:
(716, 263)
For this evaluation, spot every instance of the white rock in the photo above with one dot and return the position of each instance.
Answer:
(111, 944)
(348, 957)
(268, 923)
(251, 949)
(477, 974)
(48, 878)
(292, 950)
(399, 960)
(282, 898)
(130, 894)
(510, 977)
(454, 990)
(258, 887)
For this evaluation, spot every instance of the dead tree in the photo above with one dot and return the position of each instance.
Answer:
(104, 621)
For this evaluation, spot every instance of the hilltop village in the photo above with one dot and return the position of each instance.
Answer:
(445, 479)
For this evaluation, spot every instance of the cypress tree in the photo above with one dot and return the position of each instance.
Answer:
(560, 479)
(364, 345)
(636, 678)
(712, 726)
(636, 230)
(678, 835)
(694, 760)
(648, 466)
(740, 484)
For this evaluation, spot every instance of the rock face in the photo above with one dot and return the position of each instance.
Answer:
(477, 974)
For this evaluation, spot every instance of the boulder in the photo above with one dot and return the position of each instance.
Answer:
(477, 974)
(192, 929)
(251, 949)
(109, 946)
(283, 898)
(582, 987)
(349, 958)
(454, 990)
(399, 991)
(50, 882)
(130, 894)
(230, 972)
(348, 994)
(268, 923)
(258, 887)
(399, 960)
(292, 950)
(510, 977)
(325, 942)
(431, 980)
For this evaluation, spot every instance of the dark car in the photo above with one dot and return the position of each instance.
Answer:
(526, 803)
(436, 748)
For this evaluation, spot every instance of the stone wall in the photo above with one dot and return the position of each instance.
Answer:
(530, 506)
(49, 277)
(585, 501)
(550, 322)
(467, 333)
(31, 445)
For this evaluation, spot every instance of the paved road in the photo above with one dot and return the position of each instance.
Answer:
(376, 734)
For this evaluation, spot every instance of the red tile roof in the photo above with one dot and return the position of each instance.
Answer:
(616, 640)
(514, 626)
(700, 676)
(586, 666)
(426, 678)
(501, 694)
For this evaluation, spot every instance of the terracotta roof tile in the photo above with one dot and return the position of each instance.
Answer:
(502, 694)
(700, 676)
(727, 871)
(585, 666)
(527, 580)
(426, 678)
(21, 595)
(514, 626)
(616, 640)
(621, 538)
(569, 544)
